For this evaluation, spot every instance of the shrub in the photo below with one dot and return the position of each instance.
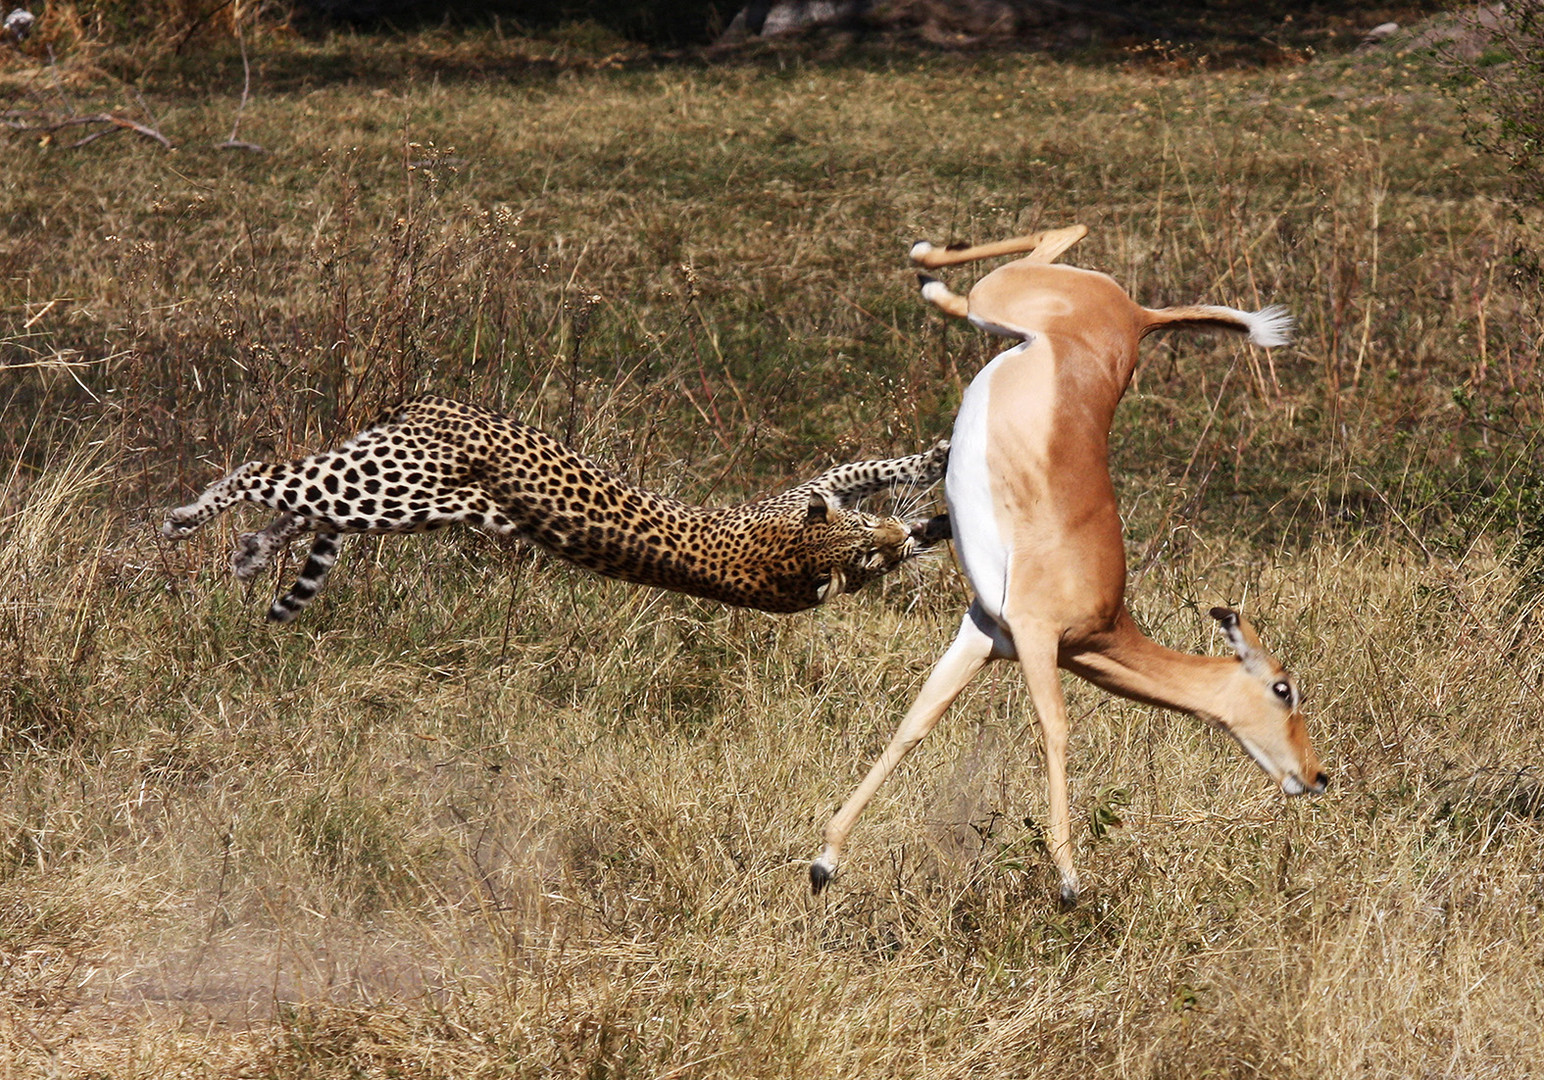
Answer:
(1500, 55)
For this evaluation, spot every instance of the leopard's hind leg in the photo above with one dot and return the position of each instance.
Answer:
(466, 504)
(254, 550)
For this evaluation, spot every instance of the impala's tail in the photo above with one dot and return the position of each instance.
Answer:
(1268, 327)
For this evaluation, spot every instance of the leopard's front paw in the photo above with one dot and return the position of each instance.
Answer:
(180, 522)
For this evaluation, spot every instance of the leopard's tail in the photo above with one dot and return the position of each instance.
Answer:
(324, 553)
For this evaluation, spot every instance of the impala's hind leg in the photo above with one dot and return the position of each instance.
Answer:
(246, 483)
(943, 298)
(1043, 247)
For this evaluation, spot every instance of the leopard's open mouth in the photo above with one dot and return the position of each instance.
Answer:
(926, 532)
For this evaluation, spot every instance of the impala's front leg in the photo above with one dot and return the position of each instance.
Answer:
(1045, 690)
(978, 641)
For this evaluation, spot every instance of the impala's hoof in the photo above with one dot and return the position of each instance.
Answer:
(1069, 896)
(821, 873)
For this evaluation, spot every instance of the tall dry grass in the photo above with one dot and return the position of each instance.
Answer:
(477, 814)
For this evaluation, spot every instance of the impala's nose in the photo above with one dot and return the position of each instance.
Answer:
(1292, 784)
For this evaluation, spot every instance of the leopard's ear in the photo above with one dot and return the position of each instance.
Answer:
(821, 510)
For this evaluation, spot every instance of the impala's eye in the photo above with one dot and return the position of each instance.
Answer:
(1283, 690)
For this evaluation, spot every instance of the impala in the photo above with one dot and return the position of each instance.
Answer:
(1039, 538)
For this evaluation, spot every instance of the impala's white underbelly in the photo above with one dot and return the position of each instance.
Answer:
(982, 549)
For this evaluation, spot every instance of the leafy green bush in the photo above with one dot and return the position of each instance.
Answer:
(1505, 114)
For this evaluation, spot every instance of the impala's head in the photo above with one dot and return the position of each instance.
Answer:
(1264, 712)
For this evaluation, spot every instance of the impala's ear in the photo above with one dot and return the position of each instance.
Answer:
(1242, 637)
(822, 509)
(1226, 616)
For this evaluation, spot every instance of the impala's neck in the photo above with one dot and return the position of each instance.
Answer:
(1125, 661)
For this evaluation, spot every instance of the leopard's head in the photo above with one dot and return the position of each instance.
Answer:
(855, 547)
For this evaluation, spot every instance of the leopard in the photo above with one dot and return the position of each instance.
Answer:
(433, 461)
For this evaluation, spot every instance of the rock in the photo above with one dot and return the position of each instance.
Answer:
(1380, 33)
(776, 18)
(18, 24)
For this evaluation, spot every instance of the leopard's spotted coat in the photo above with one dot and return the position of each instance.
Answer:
(434, 462)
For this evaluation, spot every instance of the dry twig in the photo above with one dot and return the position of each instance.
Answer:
(36, 120)
(234, 143)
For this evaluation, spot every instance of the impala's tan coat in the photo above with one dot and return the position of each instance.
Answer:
(1038, 534)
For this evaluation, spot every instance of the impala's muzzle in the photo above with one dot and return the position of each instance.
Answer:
(1292, 784)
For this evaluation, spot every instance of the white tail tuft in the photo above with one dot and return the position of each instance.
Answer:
(1269, 327)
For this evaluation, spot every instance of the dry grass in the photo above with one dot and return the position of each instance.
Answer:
(479, 815)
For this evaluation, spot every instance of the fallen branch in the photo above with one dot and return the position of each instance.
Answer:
(58, 362)
(24, 121)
